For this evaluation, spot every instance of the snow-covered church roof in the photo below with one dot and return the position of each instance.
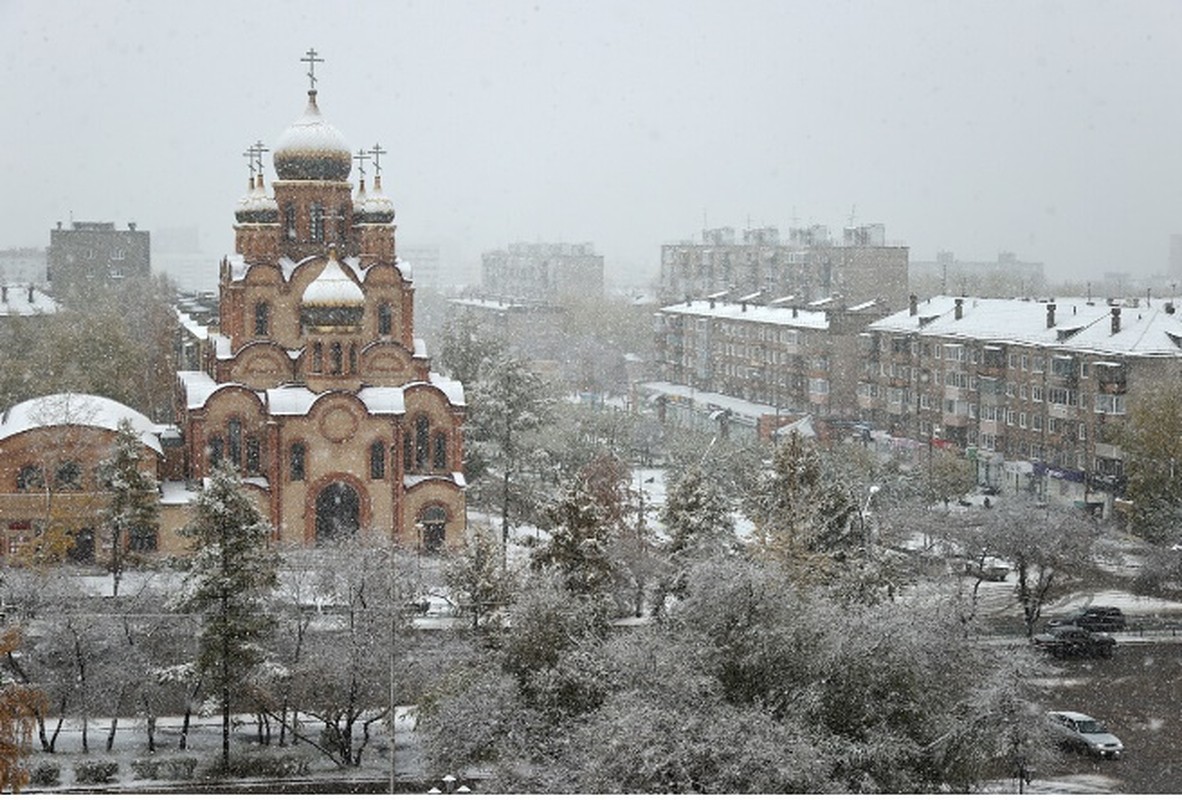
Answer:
(76, 409)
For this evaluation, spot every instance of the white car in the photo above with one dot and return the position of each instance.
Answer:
(1081, 732)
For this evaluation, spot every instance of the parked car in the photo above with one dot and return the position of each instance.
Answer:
(988, 569)
(1065, 641)
(1080, 732)
(1094, 618)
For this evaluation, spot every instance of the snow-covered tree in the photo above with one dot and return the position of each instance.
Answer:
(478, 575)
(507, 403)
(229, 582)
(697, 516)
(465, 350)
(132, 509)
(582, 531)
(20, 707)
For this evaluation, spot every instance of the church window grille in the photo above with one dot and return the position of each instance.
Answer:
(385, 319)
(440, 451)
(262, 314)
(316, 222)
(296, 461)
(422, 442)
(335, 358)
(377, 461)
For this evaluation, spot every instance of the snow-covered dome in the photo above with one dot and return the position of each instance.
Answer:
(311, 149)
(256, 206)
(332, 301)
(373, 207)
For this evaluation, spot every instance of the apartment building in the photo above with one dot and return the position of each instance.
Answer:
(543, 272)
(810, 265)
(89, 254)
(1028, 388)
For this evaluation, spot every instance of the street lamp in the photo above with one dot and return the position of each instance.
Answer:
(866, 538)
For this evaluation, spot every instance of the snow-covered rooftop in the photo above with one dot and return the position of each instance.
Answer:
(742, 408)
(16, 301)
(775, 315)
(1146, 328)
(332, 287)
(76, 409)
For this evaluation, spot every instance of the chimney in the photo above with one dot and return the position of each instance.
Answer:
(1050, 315)
(913, 305)
(1116, 319)
(743, 307)
(3, 294)
(712, 302)
(959, 312)
(30, 292)
(131, 226)
(1169, 307)
(793, 312)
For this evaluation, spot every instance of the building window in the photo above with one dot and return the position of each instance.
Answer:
(342, 224)
(253, 456)
(377, 461)
(407, 463)
(317, 358)
(432, 527)
(440, 451)
(289, 222)
(352, 359)
(422, 442)
(68, 476)
(234, 441)
(216, 450)
(335, 358)
(30, 478)
(261, 319)
(142, 539)
(296, 462)
(316, 222)
(385, 319)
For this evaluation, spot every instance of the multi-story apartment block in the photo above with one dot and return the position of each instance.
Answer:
(810, 266)
(795, 359)
(1006, 277)
(1034, 382)
(95, 253)
(542, 272)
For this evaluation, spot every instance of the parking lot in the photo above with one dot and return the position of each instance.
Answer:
(1138, 694)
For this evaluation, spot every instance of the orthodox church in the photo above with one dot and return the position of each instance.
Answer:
(314, 386)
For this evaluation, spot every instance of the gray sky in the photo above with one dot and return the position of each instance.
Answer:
(1051, 129)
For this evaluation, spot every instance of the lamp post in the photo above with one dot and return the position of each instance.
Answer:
(867, 539)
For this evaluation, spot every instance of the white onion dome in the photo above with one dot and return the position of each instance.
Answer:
(333, 299)
(312, 149)
(256, 206)
(374, 207)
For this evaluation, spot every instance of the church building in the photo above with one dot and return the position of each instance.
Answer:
(314, 386)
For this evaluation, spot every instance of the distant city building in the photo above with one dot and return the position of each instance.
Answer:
(424, 263)
(809, 266)
(542, 272)
(23, 264)
(1005, 277)
(783, 360)
(96, 253)
(1029, 388)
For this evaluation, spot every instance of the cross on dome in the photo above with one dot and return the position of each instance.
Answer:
(361, 158)
(259, 148)
(249, 156)
(311, 59)
(377, 153)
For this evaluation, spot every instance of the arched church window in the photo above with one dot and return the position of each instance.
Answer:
(342, 224)
(352, 359)
(253, 456)
(289, 222)
(262, 315)
(335, 358)
(377, 460)
(317, 358)
(407, 452)
(422, 442)
(234, 441)
(295, 463)
(316, 222)
(216, 449)
(385, 319)
(440, 460)
(30, 478)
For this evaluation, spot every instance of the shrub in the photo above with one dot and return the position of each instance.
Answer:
(169, 769)
(264, 765)
(45, 773)
(95, 771)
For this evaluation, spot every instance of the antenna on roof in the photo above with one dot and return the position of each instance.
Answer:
(311, 59)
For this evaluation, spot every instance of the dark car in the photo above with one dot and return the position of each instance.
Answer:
(1066, 641)
(1094, 618)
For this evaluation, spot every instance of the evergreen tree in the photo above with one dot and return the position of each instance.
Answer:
(231, 577)
(478, 575)
(696, 516)
(465, 351)
(132, 510)
(580, 536)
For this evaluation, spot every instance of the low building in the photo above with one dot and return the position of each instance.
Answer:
(24, 300)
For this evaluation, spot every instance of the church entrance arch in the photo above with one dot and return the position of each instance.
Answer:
(338, 512)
